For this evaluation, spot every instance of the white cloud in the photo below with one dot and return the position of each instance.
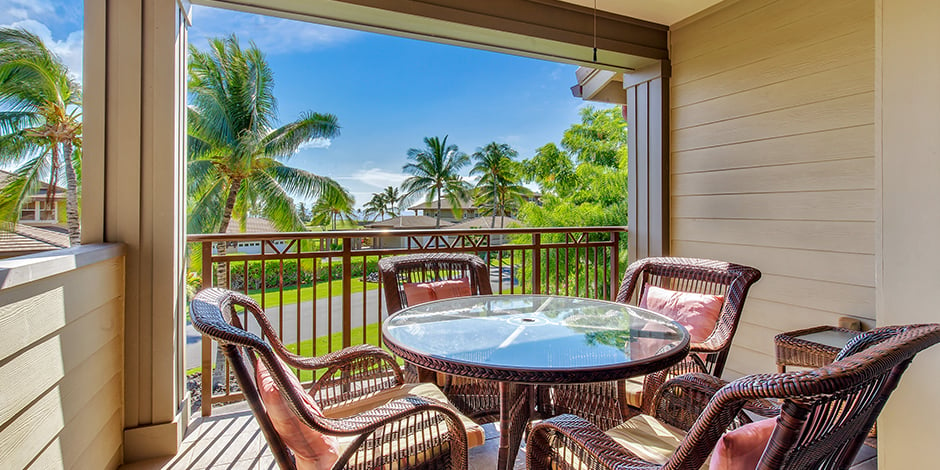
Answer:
(69, 49)
(318, 143)
(271, 35)
(377, 178)
(25, 9)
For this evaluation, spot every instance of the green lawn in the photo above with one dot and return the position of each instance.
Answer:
(306, 348)
(272, 296)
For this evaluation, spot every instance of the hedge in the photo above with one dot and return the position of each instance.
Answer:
(272, 272)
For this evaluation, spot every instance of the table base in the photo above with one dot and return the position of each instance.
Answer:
(516, 406)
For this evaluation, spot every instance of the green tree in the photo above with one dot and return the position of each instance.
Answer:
(435, 170)
(40, 127)
(302, 212)
(584, 183)
(236, 156)
(331, 207)
(498, 190)
(384, 203)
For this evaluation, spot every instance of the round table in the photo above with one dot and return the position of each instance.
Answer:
(525, 340)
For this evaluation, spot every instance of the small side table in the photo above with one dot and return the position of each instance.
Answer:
(811, 347)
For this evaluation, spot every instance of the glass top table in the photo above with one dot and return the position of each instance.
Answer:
(525, 340)
(535, 338)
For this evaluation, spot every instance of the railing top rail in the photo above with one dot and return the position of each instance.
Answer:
(219, 237)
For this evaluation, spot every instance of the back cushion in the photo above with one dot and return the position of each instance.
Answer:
(742, 448)
(698, 313)
(312, 449)
(421, 292)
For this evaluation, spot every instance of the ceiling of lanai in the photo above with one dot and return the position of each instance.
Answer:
(666, 12)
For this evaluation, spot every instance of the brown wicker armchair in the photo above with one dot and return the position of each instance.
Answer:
(361, 392)
(609, 404)
(477, 398)
(823, 421)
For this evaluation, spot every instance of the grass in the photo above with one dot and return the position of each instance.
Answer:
(321, 346)
(272, 296)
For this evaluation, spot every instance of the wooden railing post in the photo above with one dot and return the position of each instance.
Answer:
(206, 377)
(347, 294)
(536, 263)
(614, 265)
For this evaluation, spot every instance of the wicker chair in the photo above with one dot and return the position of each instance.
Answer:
(609, 404)
(824, 418)
(388, 428)
(476, 398)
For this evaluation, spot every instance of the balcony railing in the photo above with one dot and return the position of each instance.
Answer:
(322, 292)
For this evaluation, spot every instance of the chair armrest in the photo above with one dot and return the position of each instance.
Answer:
(680, 400)
(567, 441)
(412, 418)
(351, 373)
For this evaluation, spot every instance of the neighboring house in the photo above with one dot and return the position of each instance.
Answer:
(468, 209)
(403, 222)
(487, 222)
(429, 209)
(39, 209)
(41, 226)
(253, 225)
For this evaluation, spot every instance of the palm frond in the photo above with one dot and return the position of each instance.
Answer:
(284, 141)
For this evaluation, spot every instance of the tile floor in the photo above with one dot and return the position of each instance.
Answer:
(231, 439)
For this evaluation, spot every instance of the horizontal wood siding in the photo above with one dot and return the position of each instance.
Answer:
(61, 356)
(772, 160)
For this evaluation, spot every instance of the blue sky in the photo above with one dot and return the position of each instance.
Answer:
(388, 92)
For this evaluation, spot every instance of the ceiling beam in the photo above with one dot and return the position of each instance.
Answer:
(548, 29)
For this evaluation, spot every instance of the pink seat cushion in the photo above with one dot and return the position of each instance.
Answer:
(742, 448)
(421, 292)
(312, 449)
(698, 313)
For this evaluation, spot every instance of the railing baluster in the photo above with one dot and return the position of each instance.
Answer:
(536, 263)
(536, 246)
(206, 385)
(347, 292)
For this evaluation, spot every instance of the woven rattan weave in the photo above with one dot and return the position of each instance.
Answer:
(387, 437)
(478, 399)
(607, 405)
(823, 421)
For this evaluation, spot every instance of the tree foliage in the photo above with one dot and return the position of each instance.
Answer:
(435, 171)
(583, 183)
(498, 191)
(40, 125)
(384, 204)
(332, 207)
(236, 155)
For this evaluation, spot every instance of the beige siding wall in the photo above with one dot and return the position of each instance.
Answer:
(772, 160)
(61, 355)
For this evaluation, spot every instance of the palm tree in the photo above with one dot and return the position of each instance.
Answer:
(376, 206)
(392, 199)
(40, 123)
(498, 185)
(332, 206)
(435, 170)
(236, 157)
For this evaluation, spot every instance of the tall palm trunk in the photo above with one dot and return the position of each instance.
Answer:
(440, 196)
(221, 273)
(495, 204)
(71, 196)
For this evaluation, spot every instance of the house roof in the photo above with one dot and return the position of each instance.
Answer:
(409, 221)
(445, 205)
(43, 187)
(19, 239)
(486, 222)
(252, 225)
